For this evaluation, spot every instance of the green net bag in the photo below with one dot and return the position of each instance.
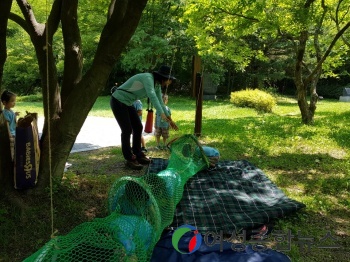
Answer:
(140, 209)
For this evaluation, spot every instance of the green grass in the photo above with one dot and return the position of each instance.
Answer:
(309, 163)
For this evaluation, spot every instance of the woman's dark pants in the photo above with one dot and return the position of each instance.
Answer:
(129, 123)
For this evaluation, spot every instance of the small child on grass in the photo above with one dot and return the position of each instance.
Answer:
(8, 99)
(161, 126)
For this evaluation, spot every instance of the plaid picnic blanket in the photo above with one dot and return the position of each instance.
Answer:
(233, 196)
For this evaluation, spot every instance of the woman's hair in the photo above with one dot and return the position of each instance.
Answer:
(6, 96)
(159, 78)
(165, 97)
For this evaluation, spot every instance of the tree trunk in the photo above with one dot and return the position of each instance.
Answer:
(308, 111)
(6, 163)
(313, 94)
(306, 115)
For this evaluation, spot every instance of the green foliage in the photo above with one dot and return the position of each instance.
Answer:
(257, 36)
(156, 39)
(254, 98)
(30, 98)
(21, 72)
(145, 51)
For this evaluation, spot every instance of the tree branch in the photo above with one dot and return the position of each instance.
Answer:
(238, 15)
(117, 14)
(73, 62)
(53, 20)
(114, 37)
(36, 28)
(19, 21)
(335, 39)
(318, 30)
(299, 58)
(337, 21)
(111, 8)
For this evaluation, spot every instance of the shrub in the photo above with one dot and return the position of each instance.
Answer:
(30, 98)
(257, 99)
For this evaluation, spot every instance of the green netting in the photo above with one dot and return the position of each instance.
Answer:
(140, 209)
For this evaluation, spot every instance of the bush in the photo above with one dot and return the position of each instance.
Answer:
(30, 98)
(257, 99)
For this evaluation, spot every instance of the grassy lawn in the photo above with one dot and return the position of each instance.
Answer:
(309, 163)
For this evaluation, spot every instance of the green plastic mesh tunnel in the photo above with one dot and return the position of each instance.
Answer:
(140, 209)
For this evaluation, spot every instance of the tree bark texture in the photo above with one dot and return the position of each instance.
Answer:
(6, 163)
(298, 78)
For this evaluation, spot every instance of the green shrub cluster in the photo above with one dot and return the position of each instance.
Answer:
(30, 98)
(254, 98)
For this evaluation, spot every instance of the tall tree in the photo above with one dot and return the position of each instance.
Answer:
(313, 19)
(304, 28)
(66, 106)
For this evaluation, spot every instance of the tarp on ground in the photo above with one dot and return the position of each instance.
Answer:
(164, 251)
(233, 196)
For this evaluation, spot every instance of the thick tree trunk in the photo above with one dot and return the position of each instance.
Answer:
(314, 95)
(308, 110)
(51, 136)
(79, 92)
(306, 115)
(6, 163)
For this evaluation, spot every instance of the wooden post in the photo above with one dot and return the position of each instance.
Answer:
(199, 103)
(196, 68)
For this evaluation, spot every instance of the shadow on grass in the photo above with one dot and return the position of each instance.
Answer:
(320, 174)
(107, 162)
(310, 229)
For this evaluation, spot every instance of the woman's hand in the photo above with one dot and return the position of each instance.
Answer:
(170, 121)
(173, 125)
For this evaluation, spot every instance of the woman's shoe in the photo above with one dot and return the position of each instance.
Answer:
(133, 164)
(143, 159)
